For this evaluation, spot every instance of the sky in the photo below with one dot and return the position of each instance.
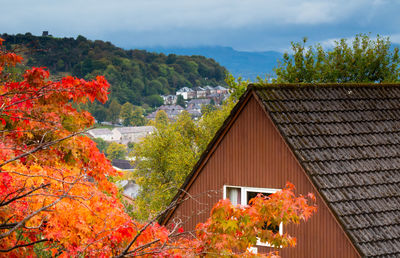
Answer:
(248, 25)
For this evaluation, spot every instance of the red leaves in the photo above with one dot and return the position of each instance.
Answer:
(236, 228)
(36, 112)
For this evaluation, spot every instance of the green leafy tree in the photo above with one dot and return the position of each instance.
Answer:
(161, 119)
(100, 112)
(126, 113)
(116, 151)
(131, 115)
(102, 145)
(364, 60)
(237, 86)
(180, 101)
(163, 160)
(114, 110)
(154, 100)
(166, 157)
(137, 117)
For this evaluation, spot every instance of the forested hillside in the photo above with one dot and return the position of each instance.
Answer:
(136, 76)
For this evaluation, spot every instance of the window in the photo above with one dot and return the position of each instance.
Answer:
(242, 195)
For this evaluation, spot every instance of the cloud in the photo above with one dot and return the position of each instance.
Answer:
(161, 14)
(245, 24)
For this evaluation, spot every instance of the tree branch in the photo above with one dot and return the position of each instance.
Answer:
(23, 245)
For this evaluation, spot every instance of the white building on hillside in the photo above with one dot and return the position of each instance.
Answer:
(132, 133)
(103, 133)
(187, 93)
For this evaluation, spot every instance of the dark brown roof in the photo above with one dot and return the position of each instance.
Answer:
(122, 164)
(347, 138)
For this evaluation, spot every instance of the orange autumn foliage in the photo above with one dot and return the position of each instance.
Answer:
(54, 187)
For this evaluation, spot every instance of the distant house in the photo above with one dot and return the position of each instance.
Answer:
(172, 111)
(200, 92)
(187, 93)
(103, 133)
(221, 90)
(340, 142)
(197, 103)
(170, 99)
(209, 90)
(194, 113)
(122, 165)
(218, 98)
(124, 135)
(167, 108)
(130, 188)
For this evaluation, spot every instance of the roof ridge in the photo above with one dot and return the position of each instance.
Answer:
(262, 86)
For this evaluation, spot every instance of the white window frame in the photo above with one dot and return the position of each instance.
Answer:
(243, 198)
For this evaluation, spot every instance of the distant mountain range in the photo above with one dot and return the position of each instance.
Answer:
(248, 65)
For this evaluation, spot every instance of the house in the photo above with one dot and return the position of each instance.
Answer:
(197, 105)
(130, 188)
(103, 133)
(194, 113)
(122, 165)
(187, 93)
(338, 141)
(201, 102)
(170, 99)
(218, 98)
(209, 90)
(200, 92)
(172, 111)
(221, 90)
(124, 135)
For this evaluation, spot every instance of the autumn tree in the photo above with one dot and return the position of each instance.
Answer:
(53, 180)
(363, 60)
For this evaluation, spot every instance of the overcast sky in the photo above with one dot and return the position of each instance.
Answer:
(242, 24)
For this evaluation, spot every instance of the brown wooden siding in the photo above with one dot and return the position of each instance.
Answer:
(253, 154)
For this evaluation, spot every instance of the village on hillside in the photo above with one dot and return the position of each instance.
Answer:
(194, 101)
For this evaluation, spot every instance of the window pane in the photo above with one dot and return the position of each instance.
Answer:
(233, 194)
(251, 195)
